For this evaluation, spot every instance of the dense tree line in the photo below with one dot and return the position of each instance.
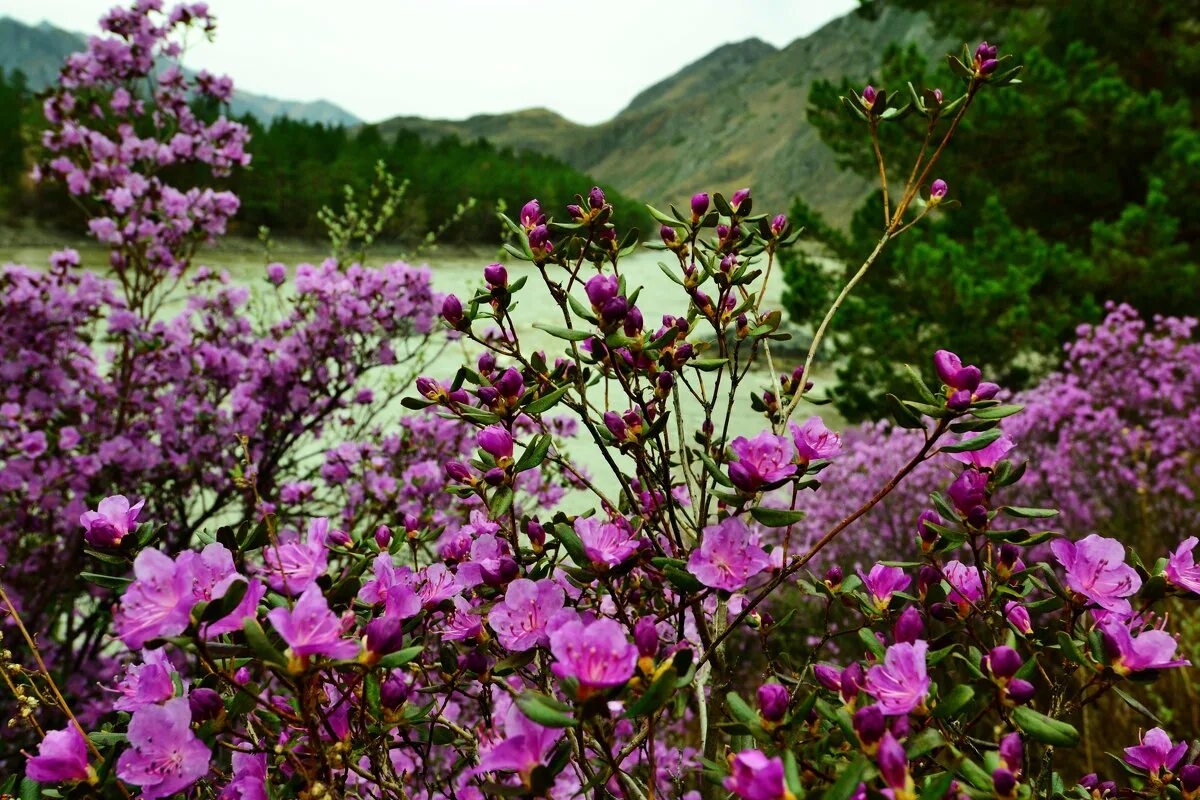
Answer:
(300, 167)
(1077, 189)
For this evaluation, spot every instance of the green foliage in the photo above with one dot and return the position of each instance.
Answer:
(1076, 189)
(299, 168)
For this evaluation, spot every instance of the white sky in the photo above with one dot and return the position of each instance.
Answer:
(452, 58)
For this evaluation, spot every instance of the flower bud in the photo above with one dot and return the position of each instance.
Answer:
(1003, 662)
(452, 310)
(1018, 616)
(893, 764)
(927, 534)
(205, 704)
(428, 388)
(383, 536)
(600, 289)
(475, 661)
(495, 275)
(668, 235)
(458, 471)
(384, 635)
(834, 577)
(869, 725)
(937, 190)
(852, 680)
(1004, 783)
(773, 701)
(539, 238)
(614, 309)
(393, 692)
(828, 676)
(926, 576)
(909, 626)
(699, 204)
(536, 533)
(738, 197)
(242, 676)
(1012, 752)
(645, 636)
(340, 538)
(494, 476)
(778, 224)
(1189, 779)
(510, 385)
(531, 214)
(276, 273)
(495, 441)
(1020, 691)
(868, 95)
(575, 211)
(596, 197)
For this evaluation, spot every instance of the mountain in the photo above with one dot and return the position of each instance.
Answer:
(734, 118)
(39, 50)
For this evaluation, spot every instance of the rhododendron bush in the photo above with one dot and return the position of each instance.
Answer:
(411, 613)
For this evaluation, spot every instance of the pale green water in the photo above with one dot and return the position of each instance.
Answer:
(460, 271)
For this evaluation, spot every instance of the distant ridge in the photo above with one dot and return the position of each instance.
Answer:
(735, 117)
(39, 51)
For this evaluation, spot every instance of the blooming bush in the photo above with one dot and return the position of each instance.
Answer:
(503, 647)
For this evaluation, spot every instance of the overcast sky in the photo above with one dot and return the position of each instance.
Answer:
(452, 58)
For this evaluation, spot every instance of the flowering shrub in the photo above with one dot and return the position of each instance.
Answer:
(501, 647)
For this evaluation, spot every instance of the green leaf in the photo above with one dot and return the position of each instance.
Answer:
(741, 710)
(776, 517)
(977, 442)
(709, 364)
(653, 699)
(919, 384)
(1045, 729)
(571, 542)
(1136, 705)
(847, 782)
(223, 606)
(546, 402)
(1029, 513)
(570, 334)
(371, 690)
(501, 502)
(256, 637)
(107, 581)
(937, 787)
(997, 412)
(545, 711)
(871, 642)
(683, 580)
(30, 789)
(400, 657)
(535, 453)
(954, 701)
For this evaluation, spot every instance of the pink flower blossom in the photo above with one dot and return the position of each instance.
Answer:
(525, 746)
(1150, 649)
(110, 522)
(607, 543)
(164, 755)
(311, 628)
(149, 683)
(520, 621)
(157, 603)
(966, 585)
(900, 683)
(291, 567)
(813, 440)
(756, 777)
(728, 556)
(1182, 570)
(1155, 753)
(599, 655)
(1096, 569)
(62, 756)
(882, 582)
(766, 459)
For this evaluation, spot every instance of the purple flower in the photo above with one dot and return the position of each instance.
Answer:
(1150, 649)
(291, 567)
(937, 190)
(148, 683)
(496, 441)
(699, 204)
(813, 440)
(900, 683)
(596, 197)
(986, 457)
(496, 275)
(62, 756)
(1096, 569)
(520, 621)
(597, 655)
(765, 459)
(110, 522)
(531, 214)
(773, 701)
(893, 766)
(276, 273)
(311, 628)
(164, 756)
(157, 603)
(249, 777)
(1018, 616)
(525, 746)
(728, 556)
(452, 310)
(756, 777)
(952, 372)
(1155, 753)
(607, 543)
(737, 198)
(882, 582)
(966, 585)
(909, 626)
(600, 289)
(1182, 570)
(869, 94)
(968, 491)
